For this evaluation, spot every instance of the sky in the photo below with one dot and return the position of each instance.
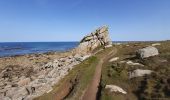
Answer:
(70, 20)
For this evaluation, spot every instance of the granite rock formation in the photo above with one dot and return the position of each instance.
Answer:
(100, 37)
(19, 83)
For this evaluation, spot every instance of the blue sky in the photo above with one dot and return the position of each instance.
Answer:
(70, 20)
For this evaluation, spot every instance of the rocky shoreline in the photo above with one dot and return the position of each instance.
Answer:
(29, 76)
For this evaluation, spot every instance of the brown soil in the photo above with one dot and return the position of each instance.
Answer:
(91, 92)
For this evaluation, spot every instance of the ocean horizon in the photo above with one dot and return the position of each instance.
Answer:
(22, 48)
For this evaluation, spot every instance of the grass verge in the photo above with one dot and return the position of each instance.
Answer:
(82, 73)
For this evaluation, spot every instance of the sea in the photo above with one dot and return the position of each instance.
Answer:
(21, 48)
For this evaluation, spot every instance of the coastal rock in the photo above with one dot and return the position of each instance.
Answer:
(114, 88)
(24, 82)
(99, 37)
(30, 89)
(147, 52)
(16, 93)
(5, 98)
(35, 80)
(20, 94)
(139, 73)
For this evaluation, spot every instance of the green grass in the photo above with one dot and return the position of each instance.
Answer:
(84, 71)
(86, 75)
(154, 86)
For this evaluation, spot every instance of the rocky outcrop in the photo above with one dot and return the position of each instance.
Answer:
(147, 52)
(18, 83)
(23, 87)
(139, 73)
(114, 88)
(100, 37)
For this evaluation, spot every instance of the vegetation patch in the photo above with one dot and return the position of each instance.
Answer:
(74, 84)
(155, 86)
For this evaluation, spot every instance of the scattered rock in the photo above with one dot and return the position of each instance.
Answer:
(139, 73)
(122, 61)
(147, 52)
(133, 64)
(156, 44)
(114, 59)
(114, 88)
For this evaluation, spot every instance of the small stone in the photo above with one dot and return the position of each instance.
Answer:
(114, 59)
(133, 64)
(156, 44)
(114, 88)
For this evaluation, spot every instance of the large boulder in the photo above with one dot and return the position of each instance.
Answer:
(139, 73)
(147, 52)
(100, 37)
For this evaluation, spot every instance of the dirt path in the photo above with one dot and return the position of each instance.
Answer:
(91, 92)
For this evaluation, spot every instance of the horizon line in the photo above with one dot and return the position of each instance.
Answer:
(79, 41)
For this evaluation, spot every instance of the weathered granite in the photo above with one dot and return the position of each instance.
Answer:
(100, 37)
(18, 83)
(147, 52)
